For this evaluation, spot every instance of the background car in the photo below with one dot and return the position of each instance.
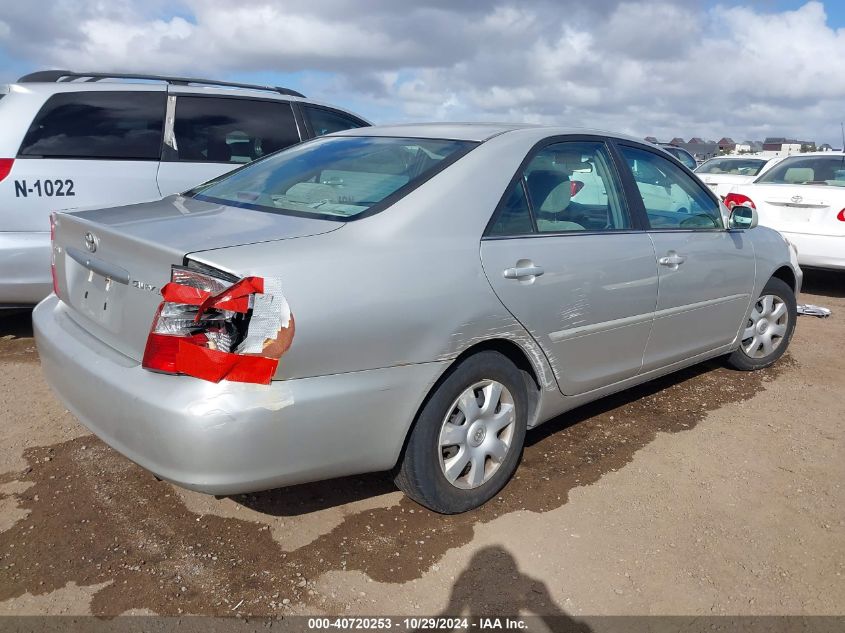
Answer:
(408, 298)
(723, 172)
(803, 197)
(681, 154)
(77, 140)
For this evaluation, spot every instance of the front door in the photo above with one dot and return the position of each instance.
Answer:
(706, 273)
(567, 262)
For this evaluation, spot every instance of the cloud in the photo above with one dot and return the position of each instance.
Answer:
(642, 67)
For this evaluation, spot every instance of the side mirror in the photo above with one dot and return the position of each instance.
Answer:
(743, 218)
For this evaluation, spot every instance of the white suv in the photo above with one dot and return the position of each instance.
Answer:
(76, 140)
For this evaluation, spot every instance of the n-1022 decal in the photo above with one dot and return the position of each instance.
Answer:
(50, 188)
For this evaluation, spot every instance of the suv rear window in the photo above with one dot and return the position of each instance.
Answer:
(324, 121)
(118, 125)
(335, 177)
(231, 130)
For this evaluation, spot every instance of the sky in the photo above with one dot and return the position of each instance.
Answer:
(745, 70)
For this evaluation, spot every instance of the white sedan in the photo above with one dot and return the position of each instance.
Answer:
(803, 197)
(722, 173)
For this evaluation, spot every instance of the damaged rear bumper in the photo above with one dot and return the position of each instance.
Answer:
(228, 438)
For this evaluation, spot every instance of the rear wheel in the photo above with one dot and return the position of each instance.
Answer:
(468, 438)
(768, 329)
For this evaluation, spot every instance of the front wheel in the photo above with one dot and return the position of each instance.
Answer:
(768, 329)
(468, 438)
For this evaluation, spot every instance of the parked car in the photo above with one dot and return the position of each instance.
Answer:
(724, 172)
(407, 297)
(681, 154)
(803, 197)
(77, 140)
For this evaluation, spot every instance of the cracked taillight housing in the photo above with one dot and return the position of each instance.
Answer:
(215, 329)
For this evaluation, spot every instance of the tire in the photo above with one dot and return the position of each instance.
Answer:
(474, 476)
(762, 345)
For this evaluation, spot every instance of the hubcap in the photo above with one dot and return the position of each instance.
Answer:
(476, 434)
(766, 327)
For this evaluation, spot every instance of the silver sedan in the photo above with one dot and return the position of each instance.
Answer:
(412, 298)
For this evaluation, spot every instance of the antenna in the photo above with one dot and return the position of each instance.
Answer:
(842, 129)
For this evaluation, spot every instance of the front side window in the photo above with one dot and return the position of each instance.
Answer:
(231, 130)
(334, 177)
(324, 121)
(807, 170)
(117, 125)
(733, 166)
(672, 198)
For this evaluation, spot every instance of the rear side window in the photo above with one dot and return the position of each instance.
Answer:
(119, 125)
(224, 130)
(324, 121)
(569, 186)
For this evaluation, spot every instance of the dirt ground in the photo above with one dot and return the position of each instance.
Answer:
(707, 492)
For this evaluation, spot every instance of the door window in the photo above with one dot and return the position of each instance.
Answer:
(672, 199)
(568, 186)
(227, 130)
(118, 125)
(324, 121)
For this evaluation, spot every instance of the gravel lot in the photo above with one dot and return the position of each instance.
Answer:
(707, 492)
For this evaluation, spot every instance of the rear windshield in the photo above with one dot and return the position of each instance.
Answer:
(733, 166)
(335, 177)
(808, 170)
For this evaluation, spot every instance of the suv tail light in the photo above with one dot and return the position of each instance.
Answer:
(841, 216)
(574, 187)
(53, 221)
(738, 200)
(6, 167)
(213, 329)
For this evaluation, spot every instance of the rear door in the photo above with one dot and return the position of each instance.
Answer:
(212, 135)
(574, 269)
(84, 149)
(706, 273)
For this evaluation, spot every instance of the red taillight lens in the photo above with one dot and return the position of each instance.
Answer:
(841, 216)
(574, 187)
(160, 353)
(53, 253)
(6, 167)
(738, 200)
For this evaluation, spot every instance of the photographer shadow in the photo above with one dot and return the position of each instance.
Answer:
(492, 585)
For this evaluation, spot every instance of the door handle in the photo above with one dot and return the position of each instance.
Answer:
(523, 271)
(672, 259)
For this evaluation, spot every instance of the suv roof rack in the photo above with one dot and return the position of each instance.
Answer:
(55, 76)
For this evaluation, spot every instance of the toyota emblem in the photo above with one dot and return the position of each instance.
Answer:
(796, 199)
(91, 242)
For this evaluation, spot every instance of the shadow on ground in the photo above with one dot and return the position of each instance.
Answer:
(827, 283)
(16, 341)
(95, 517)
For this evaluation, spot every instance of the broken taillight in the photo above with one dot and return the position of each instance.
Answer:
(215, 329)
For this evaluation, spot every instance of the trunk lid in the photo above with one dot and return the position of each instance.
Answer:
(114, 290)
(806, 209)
